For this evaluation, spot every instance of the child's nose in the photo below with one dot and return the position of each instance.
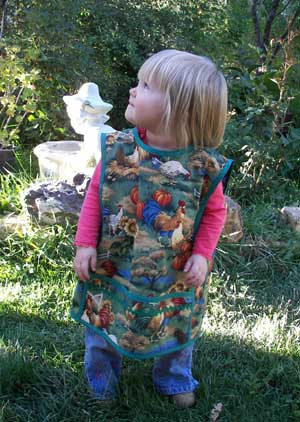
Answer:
(132, 91)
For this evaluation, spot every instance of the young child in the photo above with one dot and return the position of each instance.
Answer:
(150, 222)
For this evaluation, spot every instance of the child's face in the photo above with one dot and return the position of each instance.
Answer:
(146, 107)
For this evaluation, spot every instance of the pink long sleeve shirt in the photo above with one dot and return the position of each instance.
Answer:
(206, 238)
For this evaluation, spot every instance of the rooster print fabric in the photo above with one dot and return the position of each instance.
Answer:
(151, 203)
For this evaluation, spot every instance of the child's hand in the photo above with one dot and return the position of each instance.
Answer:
(86, 257)
(196, 268)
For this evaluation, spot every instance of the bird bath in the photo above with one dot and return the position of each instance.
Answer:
(62, 160)
(59, 160)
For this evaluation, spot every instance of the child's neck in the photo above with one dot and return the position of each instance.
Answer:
(160, 141)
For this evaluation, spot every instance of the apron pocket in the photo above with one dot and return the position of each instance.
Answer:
(137, 325)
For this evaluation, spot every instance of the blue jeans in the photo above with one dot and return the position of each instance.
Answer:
(172, 373)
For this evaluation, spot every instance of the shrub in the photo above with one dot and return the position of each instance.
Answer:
(17, 95)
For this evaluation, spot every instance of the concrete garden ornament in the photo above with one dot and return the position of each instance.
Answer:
(69, 164)
(88, 115)
(61, 160)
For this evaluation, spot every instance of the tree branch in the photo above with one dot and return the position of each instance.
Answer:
(284, 36)
(256, 23)
(3, 6)
(270, 19)
(283, 9)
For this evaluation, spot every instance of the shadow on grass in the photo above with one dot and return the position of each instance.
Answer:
(42, 379)
(257, 276)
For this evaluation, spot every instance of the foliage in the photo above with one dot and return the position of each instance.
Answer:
(264, 129)
(104, 46)
(13, 184)
(18, 100)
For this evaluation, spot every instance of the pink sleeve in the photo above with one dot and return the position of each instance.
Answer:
(211, 225)
(90, 216)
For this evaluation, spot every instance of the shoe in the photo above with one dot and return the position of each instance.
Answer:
(184, 400)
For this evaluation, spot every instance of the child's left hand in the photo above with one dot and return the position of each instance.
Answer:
(196, 268)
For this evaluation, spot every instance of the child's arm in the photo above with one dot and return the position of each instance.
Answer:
(206, 238)
(88, 229)
(90, 216)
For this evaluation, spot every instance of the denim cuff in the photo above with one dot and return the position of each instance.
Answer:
(171, 389)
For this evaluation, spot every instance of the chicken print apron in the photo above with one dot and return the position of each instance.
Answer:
(151, 203)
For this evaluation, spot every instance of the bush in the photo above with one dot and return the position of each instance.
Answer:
(64, 44)
(263, 132)
(72, 42)
(17, 95)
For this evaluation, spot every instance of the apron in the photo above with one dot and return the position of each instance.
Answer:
(151, 202)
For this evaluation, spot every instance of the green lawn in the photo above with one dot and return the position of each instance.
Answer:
(248, 358)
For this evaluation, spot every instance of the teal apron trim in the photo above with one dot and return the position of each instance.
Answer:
(168, 153)
(189, 331)
(83, 288)
(137, 297)
(211, 189)
(102, 175)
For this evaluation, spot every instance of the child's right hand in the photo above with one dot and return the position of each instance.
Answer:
(85, 258)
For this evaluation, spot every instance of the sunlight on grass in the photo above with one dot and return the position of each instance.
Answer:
(10, 292)
(267, 330)
(271, 332)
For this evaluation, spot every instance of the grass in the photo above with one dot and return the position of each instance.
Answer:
(248, 358)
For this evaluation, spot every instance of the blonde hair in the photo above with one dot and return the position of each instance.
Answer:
(195, 96)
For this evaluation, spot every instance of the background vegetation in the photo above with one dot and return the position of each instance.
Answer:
(248, 358)
(49, 48)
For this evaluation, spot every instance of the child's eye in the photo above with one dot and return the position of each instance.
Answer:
(145, 85)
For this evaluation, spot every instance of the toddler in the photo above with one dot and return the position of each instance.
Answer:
(149, 225)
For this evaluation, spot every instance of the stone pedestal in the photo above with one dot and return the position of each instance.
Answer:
(291, 216)
(233, 228)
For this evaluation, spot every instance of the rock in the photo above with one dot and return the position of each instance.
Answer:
(56, 202)
(233, 228)
(81, 181)
(291, 216)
